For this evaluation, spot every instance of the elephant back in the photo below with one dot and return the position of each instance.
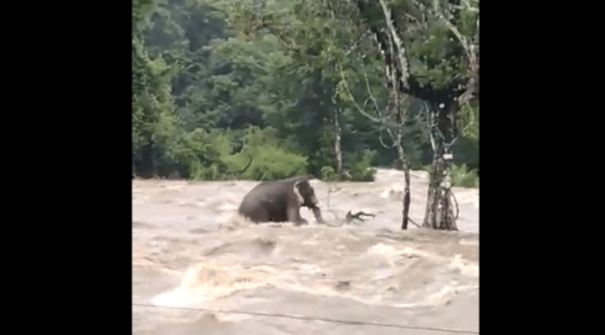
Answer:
(298, 178)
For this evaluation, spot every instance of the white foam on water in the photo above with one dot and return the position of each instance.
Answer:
(466, 269)
(207, 281)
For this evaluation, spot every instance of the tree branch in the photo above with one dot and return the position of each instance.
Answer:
(361, 110)
(468, 47)
(398, 45)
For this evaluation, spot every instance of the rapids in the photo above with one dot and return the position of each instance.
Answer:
(191, 250)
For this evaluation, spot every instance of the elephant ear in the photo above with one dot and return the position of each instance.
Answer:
(296, 190)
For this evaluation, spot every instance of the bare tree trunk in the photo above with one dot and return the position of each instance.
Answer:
(439, 212)
(447, 219)
(406, 184)
(337, 142)
(397, 115)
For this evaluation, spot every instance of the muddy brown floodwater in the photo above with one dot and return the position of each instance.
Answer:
(191, 251)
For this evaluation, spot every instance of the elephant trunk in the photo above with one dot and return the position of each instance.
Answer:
(317, 214)
(314, 206)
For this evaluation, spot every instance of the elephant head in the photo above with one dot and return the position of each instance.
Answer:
(305, 194)
(306, 197)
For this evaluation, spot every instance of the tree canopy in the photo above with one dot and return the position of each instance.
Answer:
(295, 84)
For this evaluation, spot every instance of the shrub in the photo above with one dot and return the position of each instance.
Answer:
(328, 174)
(203, 154)
(360, 166)
(271, 160)
(464, 177)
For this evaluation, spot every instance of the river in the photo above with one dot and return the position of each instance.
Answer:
(194, 260)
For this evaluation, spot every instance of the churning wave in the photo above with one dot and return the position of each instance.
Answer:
(191, 250)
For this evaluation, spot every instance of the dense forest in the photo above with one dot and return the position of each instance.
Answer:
(301, 86)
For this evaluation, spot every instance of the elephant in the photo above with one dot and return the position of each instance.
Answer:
(280, 201)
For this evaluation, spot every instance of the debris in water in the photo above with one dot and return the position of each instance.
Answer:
(343, 284)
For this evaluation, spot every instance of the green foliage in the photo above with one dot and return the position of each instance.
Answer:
(361, 165)
(275, 163)
(208, 155)
(466, 151)
(204, 154)
(154, 121)
(328, 174)
(271, 159)
(215, 82)
(464, 177)
(469, 121)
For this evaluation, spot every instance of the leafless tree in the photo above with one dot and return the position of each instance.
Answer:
(392, 119)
